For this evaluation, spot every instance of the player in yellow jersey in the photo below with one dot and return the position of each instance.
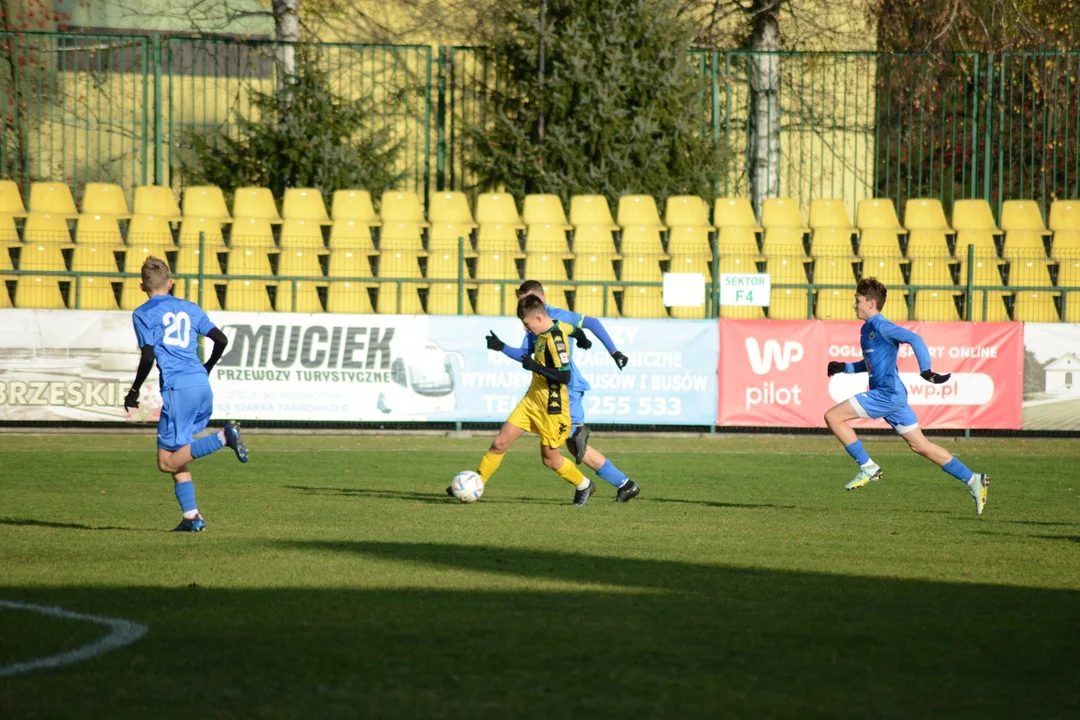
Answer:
(545, 409)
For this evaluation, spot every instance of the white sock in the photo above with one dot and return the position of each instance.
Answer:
(868, 464)
(221, 435)
(973, 478)
(584, 484)
(191, 515)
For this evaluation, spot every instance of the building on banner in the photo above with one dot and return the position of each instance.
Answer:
(1051, 376)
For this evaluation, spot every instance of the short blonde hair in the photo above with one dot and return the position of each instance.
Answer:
(155, 274)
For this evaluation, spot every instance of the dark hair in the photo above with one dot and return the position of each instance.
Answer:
(530, 287)
(872, 289)
(530, 305)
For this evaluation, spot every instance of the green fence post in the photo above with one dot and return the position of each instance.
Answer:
(146, 113)
(461, 276)
(970, 284)
(202, 265)
(987, 122)
(715, 81)
(716, 278)
(440, 124)
(159, 168)
(427, 128)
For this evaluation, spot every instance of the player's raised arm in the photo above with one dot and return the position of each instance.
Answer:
(220, 343)
(597, 328)
(836, 367)
(897, 334)
(514, 353)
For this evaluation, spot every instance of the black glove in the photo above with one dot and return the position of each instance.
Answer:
(931, 376)
(494, 343)
(131, 402)
(620, 359)
(583, 342)
(836, 367)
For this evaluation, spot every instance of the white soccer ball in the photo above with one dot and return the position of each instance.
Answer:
(467, 486)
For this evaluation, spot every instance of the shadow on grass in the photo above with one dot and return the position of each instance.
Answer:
(481, 631)
(437, 497)
(29, 522)
(718, 504)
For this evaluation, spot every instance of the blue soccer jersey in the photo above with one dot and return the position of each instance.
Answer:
(881, 340)
(578, 384)
(173, 327)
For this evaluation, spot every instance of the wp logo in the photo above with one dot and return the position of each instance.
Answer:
(762, 359)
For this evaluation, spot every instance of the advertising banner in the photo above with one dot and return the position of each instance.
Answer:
(78, 365)
(1051, 376)
(773, 373)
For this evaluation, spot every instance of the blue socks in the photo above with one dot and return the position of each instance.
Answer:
(856, 451)
(185, 495)
(612, 474)
(204, 446)
(958, 470)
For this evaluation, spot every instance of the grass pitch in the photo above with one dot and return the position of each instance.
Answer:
(336, 579)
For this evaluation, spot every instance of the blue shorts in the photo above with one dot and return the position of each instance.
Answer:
(577, 409)
(184, 412)
(881, 404)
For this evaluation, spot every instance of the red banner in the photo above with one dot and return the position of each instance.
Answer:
(772, 373)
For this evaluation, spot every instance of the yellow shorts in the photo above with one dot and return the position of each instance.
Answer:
(532, 417)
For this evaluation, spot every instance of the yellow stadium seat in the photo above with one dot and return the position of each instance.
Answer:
(1024, 244)
(983, 240)
(591, 210)
(896, 309)
(54, 199)
(9, 234)
(306, 234)
(935, 306)
(643, 302)
(973, 215)
(1069, 274)
(42, 256)
(641, 268)
(836, 304)
(829, 214)
(927, 244)
(299, 262)
(187, 263)
(402, 236)
(6, 244)
(692, 240)
(352, 235)
(1022, 215)
(734, 312)
(206, 201)
(643, 240)
(157, 201)
(399, 264)
(446, 237)
(545, 268)
(497, 265)
(926, 214)
(734, 212)
(150, 229)
(834, 271)
(443, 298)
(349, 297)
(994, 310)
(984, 272)
(879, 213)
(249, 232)
(304, 204)
(248, 295)
(594, 239)
(1031, 306)
(450, 207)
(594, 267)
(100, 230)
(738, 264)
(96, 257)
(403, 300)
(93, 293)
(5, 297)
(402, 206)
(39, 292)
(210, 300)
(498, 209)
(354, 205)
(105, 199)
(496, 299)
(46, 228)
(11, 202)
(1029, 272)
(544, 210)
(782, 241)
(931, 271)
(590, 300)
(556, 295)
(687, 211)
(832, 242)
(786, 270)
(498, 238)
(639, 210)
(352, 264)
(782, 212)
(547, 238)
(788, 304)
(735, 241)
(1066, 245)
(257, 203)
(886, 270)
(698, 263)
(446, 265)
(1064, 214)
(194, 228)
(301, 296)
(879, 243)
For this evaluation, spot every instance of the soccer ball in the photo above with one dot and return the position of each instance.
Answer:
(467, 486)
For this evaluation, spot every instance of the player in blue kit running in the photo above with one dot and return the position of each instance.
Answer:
(168, 330)
(626, 488)
(887, 397)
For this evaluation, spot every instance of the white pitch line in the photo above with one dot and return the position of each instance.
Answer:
(124, 632)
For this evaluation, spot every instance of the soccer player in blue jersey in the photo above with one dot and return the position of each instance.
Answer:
(887, 397)
(168, 330)
(626, 488)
